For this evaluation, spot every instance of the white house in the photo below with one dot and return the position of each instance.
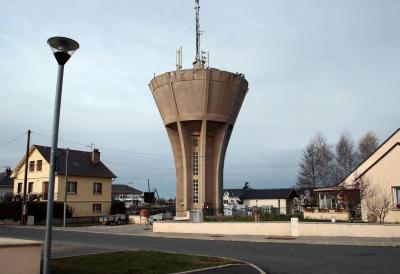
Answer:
(280, 200)
(129, 195)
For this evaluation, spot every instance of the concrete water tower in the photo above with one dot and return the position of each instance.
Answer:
(199, 107)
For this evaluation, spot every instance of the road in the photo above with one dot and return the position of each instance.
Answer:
(271, 257)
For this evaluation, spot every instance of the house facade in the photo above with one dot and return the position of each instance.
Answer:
(129, 195)
(381, 172)
(375, 183)
(89, 180)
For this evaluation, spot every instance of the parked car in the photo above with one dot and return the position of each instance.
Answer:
(160, 217)
(116, 219)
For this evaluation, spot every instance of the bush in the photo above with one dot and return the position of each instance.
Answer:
(118, 207)
(12, 210)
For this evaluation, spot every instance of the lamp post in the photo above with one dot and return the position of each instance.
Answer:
(62, 48)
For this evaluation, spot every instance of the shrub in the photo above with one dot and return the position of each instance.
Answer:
(12, 210)
(118, 207)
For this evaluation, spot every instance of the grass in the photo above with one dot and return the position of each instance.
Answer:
(130, 262)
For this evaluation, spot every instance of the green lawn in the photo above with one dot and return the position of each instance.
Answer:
(129, 262)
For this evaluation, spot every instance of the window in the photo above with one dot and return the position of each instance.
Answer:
(397, 197)
(45, 190)
(19, 190)
(96, 207)
(30, 187)
(195, 142)
(72, 187)
(39, 165)
(31, 165)
(195, 163)
(97, 188)
(195, 191)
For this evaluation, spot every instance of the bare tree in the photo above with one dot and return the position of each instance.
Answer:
(324, 161)
(354, 192)
(345, 156)
(379, 203)
(316, 164)
(367, 144)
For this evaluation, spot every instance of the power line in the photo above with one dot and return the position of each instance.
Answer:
(115, 149)
(146, 167)
(12, 140)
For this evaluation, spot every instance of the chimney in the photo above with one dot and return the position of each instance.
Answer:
(95, 156)
(8, 171)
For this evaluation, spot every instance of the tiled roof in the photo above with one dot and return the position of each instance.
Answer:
(124, 189)
(233, 192)
(79, 163)
(273, 193)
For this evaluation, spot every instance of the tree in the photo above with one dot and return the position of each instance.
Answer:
(367, 144)
(379, 203)
(246, 186)
(316, 164)
(345, 156)
(308, 167)
(325, 162)
(354, 192)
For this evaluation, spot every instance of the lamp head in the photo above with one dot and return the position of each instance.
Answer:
(62, 48)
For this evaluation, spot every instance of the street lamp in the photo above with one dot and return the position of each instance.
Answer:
(62, 48)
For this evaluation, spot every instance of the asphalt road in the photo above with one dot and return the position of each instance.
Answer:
(272, 258)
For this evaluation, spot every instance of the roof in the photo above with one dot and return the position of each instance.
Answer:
(379, 153)
(272, 193)
(79, 163)
(233, 192)
(125, 189)
(5, 180)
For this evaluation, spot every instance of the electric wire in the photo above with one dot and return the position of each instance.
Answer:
(12, 140)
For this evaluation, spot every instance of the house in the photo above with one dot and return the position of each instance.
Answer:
(232, 196)
(280, 200)
(6, 182)
(129, 195)
(380, 172)
(372, 183)
(307, 198)
(89, 180)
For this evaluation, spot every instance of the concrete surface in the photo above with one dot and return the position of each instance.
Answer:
(269, 256)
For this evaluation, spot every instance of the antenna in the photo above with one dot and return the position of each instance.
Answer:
(198, 63)
(179, 58)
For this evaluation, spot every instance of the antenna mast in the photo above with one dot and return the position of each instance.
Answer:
(198, 62)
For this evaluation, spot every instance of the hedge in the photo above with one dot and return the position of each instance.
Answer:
(12, 210)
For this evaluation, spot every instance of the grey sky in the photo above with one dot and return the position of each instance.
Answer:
(312, 66)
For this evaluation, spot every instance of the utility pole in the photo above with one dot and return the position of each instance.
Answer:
(148, 183)
(23, 208)
(66, 187)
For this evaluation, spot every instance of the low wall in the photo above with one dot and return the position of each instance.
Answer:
(339, 216)
(349, 230)
(225, 228)
(293, 229)
(19, 256)
(136, 219)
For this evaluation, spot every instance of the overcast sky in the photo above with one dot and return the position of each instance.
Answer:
(312, 66)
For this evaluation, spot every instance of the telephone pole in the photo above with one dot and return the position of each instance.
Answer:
(23, 208)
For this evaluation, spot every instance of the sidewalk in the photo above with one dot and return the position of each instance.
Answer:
(138, 230)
